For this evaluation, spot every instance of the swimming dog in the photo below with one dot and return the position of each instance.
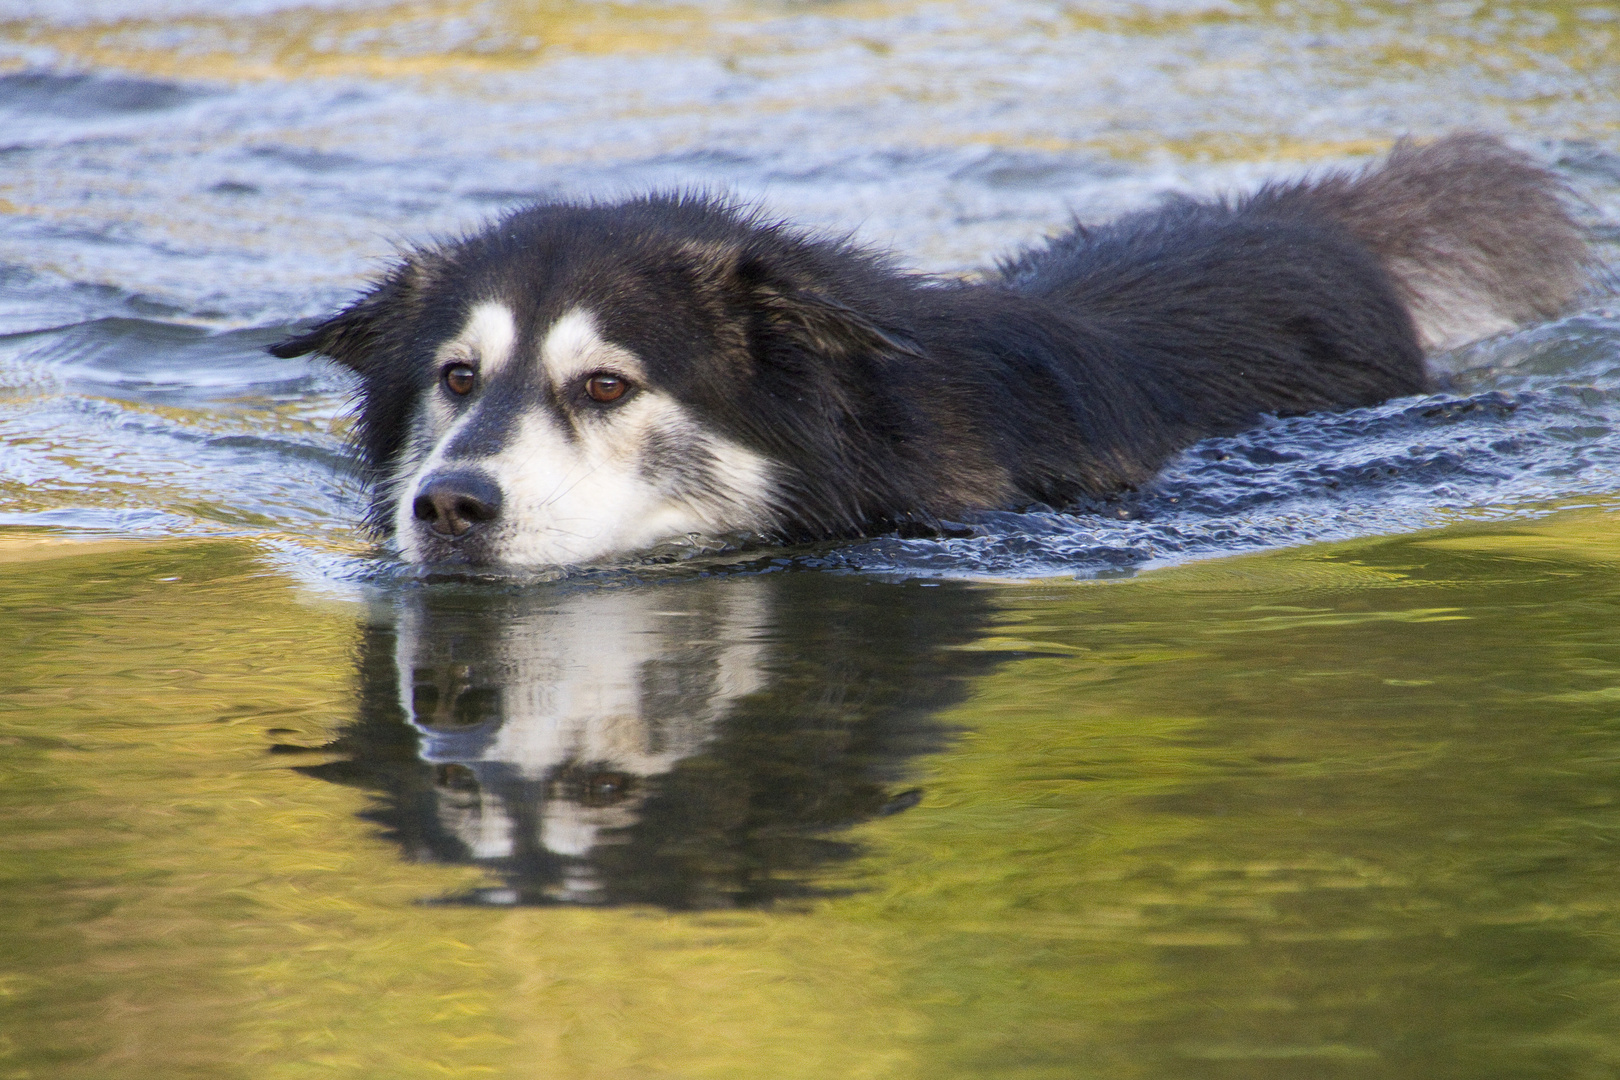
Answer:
(583, 381)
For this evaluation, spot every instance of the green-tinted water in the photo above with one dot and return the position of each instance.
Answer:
(1348, 810)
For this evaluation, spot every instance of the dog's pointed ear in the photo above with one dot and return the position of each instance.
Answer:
(352, 337)
(832, 327)
(786, 298)
(314, 340)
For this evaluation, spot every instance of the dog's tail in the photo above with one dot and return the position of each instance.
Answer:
(1478, 237)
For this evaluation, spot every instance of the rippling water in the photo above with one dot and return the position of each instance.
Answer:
(270, 807)
(181, 184)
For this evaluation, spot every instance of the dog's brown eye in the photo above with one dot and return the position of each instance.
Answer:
(459, 378)
(605, 388)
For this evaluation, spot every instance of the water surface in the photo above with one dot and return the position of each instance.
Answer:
(1346, 810)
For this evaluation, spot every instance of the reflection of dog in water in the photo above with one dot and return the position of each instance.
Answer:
(556, 724)
(690, 745)
(579, 382)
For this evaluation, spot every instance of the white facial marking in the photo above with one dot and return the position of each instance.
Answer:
(573, 347)
(486, 340)
(581, 500)
(607, 481)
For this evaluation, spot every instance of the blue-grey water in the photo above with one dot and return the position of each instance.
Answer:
(158, 230)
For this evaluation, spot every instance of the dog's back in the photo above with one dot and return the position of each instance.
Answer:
(1476, 237)
(1324, 293)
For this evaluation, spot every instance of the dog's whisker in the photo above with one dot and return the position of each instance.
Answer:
(557, 495)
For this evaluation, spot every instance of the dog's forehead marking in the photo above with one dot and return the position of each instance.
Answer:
(574, 346)
(487, 337)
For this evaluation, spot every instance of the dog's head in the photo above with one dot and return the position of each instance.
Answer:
(579, 382)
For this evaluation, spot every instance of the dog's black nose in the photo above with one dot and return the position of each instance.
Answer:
(453, 502)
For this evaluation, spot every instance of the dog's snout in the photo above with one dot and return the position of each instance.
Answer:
(453, 503)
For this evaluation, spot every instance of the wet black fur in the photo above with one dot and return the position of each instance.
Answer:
(1073, 369)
